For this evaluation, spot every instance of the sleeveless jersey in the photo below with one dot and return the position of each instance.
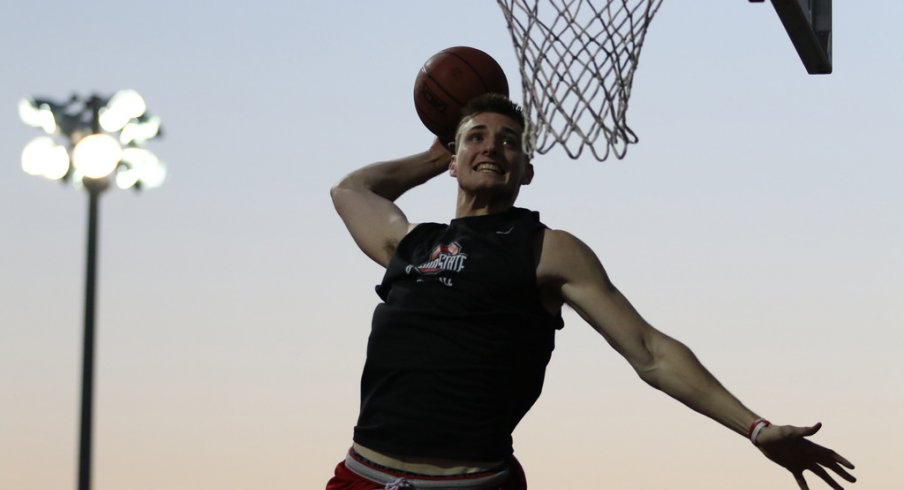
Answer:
(458, 349)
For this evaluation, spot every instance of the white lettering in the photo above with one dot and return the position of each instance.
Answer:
(445, 262)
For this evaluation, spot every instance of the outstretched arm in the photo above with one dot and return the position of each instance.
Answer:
(573, 271)
(364, 199)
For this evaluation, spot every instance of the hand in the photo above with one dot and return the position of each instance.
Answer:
(787, 445)
(445, 145)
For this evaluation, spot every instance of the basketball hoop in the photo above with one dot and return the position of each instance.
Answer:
(577, 60)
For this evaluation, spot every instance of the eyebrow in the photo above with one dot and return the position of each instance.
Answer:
(506, 129)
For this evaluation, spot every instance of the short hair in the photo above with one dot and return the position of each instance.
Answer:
(490, 102)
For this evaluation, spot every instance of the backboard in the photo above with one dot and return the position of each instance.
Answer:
(809, 25)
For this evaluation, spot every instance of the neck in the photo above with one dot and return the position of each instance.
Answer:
(472, 205)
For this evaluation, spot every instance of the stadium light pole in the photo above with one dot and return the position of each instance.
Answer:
(90, 157)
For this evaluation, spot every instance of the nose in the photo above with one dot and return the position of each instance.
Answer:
(491, 146)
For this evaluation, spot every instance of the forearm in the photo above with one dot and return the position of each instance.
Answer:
(391, 179)
(677, 372)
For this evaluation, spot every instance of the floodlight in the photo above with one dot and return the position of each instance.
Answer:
(38, 116)
(124, 106)
(46, 158)
(84, 123)
(140, 130)
(96, 155)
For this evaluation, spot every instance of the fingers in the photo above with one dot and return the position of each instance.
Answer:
(841, 472)
(839, 458)
(822, 473)
(834, 461)
(801, 482)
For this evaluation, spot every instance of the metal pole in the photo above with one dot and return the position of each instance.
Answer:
(84, 466)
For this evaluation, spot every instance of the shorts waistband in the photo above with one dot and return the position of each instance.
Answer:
(365, 468)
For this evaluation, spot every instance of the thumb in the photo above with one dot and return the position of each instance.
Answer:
(778, 433)
(808, 431)
(813, 429)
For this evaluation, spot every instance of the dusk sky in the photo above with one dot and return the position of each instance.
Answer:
(760, 220)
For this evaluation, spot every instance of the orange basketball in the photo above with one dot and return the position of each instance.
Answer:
(448, 80)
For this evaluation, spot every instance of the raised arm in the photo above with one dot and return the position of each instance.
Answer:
(364, 199)
(572, 271)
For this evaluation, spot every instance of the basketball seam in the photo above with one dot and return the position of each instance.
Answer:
(438, 86)
(473, 70)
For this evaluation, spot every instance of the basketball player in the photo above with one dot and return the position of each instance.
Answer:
(460, 343)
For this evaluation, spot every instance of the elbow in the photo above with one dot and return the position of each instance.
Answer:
(649, 373)
(666, 363)
(651, 361)
(335, 193)
(348, 183)
(340, 195)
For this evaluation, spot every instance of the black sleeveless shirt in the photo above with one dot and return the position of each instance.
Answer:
(459, 347)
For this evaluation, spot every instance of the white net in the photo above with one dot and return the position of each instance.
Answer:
(577, 61)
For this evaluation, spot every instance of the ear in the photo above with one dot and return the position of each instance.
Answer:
(528, 173)
(453, 169)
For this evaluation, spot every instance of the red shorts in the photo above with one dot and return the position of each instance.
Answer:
(346, 479)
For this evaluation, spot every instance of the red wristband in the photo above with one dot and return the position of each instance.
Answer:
(755, 429)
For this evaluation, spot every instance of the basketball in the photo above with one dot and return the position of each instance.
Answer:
(448, 80)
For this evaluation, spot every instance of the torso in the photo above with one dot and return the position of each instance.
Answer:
(390, 412)
(552, 303)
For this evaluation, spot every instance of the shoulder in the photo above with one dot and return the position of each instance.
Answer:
(562, 255)
(560, 244)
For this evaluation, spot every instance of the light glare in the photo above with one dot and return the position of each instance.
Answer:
(111, 120)
(122, 107)
(140, 132)
(44, 157)
(96, 156)
(154, 176)
(37, 117)
(126, 178)
(149, 170)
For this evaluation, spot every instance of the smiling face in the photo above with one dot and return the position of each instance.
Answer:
(489, 161)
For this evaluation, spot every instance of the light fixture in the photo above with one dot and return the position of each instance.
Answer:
(124, 106)
(96, 155)
(37, 115)
(45, 157)
(94, 158)
(95, 130)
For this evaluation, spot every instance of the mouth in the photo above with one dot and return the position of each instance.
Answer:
(489, 167)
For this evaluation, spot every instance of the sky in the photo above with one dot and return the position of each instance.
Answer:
(759, 221)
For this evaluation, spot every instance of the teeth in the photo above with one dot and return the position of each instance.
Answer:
(489, 166)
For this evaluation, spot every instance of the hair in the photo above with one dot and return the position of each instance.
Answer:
(490, 102)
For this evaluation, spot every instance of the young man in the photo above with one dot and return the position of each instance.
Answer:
(459, 346)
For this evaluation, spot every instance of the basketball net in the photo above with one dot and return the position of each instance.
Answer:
(577, 61)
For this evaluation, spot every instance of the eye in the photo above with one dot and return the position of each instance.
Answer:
(475, 137)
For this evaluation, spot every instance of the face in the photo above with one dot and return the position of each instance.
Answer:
(489, 156)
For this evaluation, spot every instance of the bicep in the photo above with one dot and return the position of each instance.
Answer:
(375, 223)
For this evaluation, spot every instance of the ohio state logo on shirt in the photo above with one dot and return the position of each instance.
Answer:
(445, 257)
